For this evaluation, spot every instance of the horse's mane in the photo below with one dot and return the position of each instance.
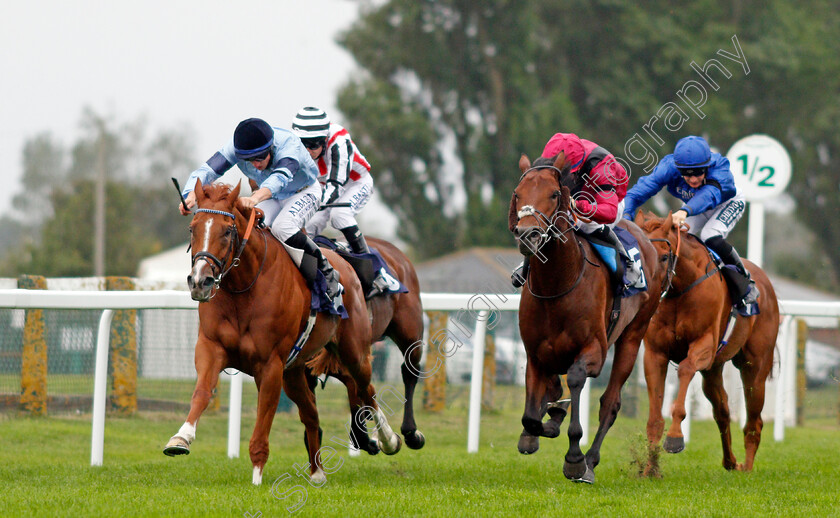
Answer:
(218, 192)
(571, 180)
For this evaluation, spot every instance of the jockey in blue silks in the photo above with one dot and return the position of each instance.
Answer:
(289, 193)
(712, 204)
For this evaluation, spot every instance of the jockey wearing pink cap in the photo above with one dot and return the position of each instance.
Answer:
(599, 187)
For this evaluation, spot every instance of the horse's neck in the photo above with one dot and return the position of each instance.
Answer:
(556, 266)
(260, 253)
(692, 263)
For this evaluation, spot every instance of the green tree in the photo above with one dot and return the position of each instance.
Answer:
(454, 91)
(56, 202)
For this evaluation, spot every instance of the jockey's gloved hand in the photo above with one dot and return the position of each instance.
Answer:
(330, 193)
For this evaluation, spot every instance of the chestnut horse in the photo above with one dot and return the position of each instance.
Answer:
(398, 316)
(563, 313)
(254, 306)
(689, 329)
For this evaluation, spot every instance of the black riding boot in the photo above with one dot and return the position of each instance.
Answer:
(520, 273)
(311, 260)
(729, 255)
(355, 239)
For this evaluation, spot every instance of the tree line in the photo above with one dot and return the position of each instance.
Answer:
(451, 92)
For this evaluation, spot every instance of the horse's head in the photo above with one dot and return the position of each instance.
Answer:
(213, 238)
(539, 208)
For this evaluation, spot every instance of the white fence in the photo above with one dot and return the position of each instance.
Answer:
(481, 306)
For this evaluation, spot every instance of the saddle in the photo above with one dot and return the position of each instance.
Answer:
(370, 268)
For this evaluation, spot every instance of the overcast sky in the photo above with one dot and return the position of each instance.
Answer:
(209, 63)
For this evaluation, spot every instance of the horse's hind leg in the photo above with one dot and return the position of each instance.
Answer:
(626, 351)
(298, 389)
(358, 418)
(753, 377)
(357, 362)
(716, 394)
(406, 330)
(209, 361)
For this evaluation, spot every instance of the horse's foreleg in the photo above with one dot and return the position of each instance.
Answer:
(535, 390)
(269, 383)
(574, 467)
(700, 356)
(716, 394)
(297, 388)
(209, 362)
(656, 368)
(626, 351)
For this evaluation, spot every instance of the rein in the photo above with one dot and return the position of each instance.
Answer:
(582, 268)
(697, 282)
(222, 266)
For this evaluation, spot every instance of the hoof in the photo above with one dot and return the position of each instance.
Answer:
(551, 429)
(415, 440)
(575, 470)
(372, 447)
(318, 478)
(587, 478)
(528, 443)
(177, 446)
(391, 451)
(673, 444)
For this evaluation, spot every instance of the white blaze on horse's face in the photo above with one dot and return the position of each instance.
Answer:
(202, 266)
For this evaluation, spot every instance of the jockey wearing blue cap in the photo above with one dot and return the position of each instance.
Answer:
(712, 204)
(289, 193)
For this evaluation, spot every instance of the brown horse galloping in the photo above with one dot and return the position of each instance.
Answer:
(398, 316)
(564, 310)
(689, 328)
(255, 305)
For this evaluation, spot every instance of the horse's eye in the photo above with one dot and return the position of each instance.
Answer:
(228, 231)
(555, 195)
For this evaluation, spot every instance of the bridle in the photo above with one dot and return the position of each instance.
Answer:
(220, 267)
(673, 255)
(553, 232)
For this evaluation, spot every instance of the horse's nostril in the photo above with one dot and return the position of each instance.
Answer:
(190, 281)
(207, 282)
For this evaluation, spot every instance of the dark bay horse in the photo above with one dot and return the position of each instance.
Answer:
(689, 328)
(398, 316)
(255, 307)
(564, 310)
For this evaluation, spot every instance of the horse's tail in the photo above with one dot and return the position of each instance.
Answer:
(327, 362)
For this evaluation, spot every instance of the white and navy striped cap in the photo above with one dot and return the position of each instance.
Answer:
(311, 122)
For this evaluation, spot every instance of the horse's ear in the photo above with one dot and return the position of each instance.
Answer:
(199, 192)
(524, 163)
(639, 219)
(565, 196)
(560, 160)
(513, 214)
(234, 193)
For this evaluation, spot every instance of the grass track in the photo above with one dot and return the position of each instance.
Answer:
(44, 469)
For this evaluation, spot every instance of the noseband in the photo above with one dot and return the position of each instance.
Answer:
(222, 267)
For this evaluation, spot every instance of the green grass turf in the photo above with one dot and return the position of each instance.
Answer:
(45, 471)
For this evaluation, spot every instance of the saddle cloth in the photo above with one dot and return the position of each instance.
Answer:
(608, 255)
(367, 266)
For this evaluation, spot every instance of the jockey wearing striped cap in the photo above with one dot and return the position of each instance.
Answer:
(344, 174)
